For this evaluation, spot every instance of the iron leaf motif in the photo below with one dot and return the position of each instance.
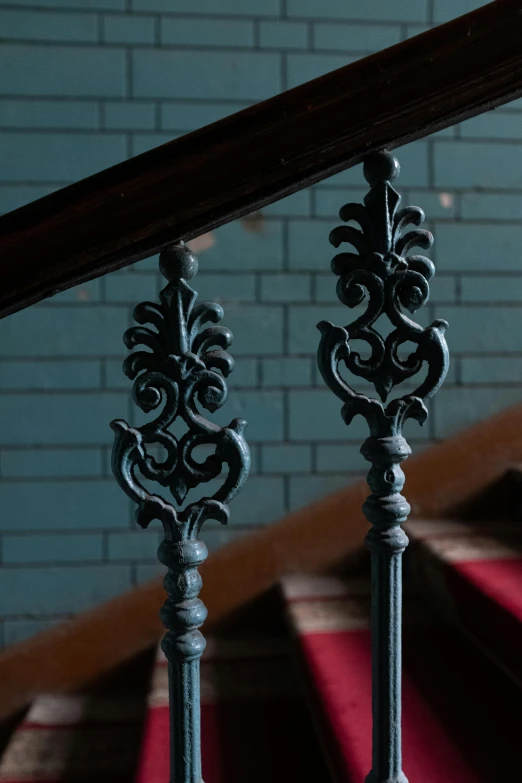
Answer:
(182, 369)
(393, 281)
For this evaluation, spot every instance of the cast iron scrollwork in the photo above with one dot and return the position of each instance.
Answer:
(393, 281)
(181, 368)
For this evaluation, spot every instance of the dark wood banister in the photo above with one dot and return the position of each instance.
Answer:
(254, 157)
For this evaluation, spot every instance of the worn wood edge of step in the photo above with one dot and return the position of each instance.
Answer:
(445, 476)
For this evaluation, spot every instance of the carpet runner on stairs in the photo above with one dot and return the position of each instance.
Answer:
(473, 572)
(82, 737)
(254, 724)
(462, 717)
(74, 738)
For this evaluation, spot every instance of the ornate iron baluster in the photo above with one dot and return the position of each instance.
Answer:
(184, 366)
(393, 281)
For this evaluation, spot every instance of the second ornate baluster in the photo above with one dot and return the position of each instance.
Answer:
(185, 367)
(394, 282)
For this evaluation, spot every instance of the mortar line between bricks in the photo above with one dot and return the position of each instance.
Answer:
(183, 47)
(256, 34)
(458, 206)
(431, 164)
(314, 458)
(353, 54)
(119, 357)
(286, 245)
(58, 479)
(310, 35)
(458, 290)
(194, 15)
(286, 494)
(431, 12)
(267, 390)
(258, 283)
(157, 116)
(105, 546)
(82, 131)
(157, 30)
(286, 415)
(128, 72)
(283, 64)
(100, 28)
(55, 447)
(458, 371)
(121, 98)
(134, 530)
(103, 375)
(105, 462)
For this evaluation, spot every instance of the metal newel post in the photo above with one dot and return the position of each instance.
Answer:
(393, 281)
(183, 370)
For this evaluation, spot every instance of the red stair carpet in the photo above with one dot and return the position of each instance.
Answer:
(254, 724)
(74, 738)
(88, 737)
(462, 717)
(462, 709)
(474, 574)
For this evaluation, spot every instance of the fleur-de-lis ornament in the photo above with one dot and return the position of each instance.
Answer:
(393, 281)
(182, 369)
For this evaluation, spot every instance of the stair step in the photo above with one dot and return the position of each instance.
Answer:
(474, 574)
(254, 724)
(81, 737)
(462, 717)
(74, 737)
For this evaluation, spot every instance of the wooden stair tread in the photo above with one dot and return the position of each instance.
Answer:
(461, 715)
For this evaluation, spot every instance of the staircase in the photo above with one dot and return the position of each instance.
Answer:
(462, 620)
(286, 690)
(255, 725)
(462, 654)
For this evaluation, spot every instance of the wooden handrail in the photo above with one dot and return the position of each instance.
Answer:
(254, 157)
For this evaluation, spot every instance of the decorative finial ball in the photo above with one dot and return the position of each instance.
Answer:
(380, 167)
(178, 262)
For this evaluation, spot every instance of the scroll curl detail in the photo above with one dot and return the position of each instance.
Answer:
(182, 370)
(392, 281)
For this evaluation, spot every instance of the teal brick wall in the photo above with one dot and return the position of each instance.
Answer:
(87, 83)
